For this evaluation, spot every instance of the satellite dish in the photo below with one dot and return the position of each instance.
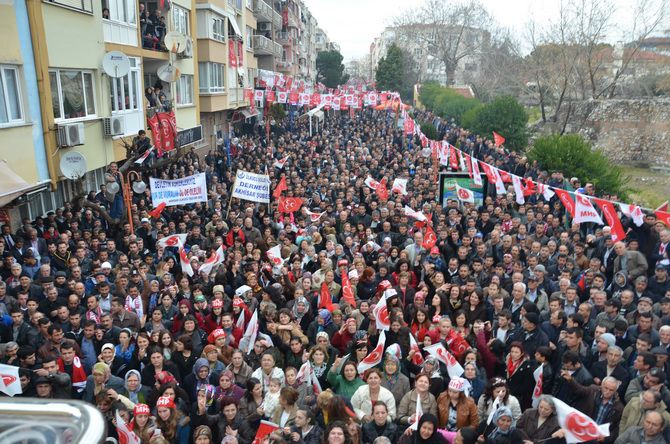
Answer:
(139, 187)
(175, 42)
(73, 165)
(168, 73)
(115, 64)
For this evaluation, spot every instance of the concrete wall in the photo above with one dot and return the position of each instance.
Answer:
(628, 131)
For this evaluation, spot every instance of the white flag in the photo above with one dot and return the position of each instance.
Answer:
(173, 240)
(417, 413)
(394, 349)
(399, 186)
(274, 254)
(213, 261)
(476, 174)
(500, 185)
(584, 211)
(464, 194)
(418, 215)
(126, 435)
(438, 350)
(10, 383)
(537, 391)
(185, 262)
(371, 183)
(494, 407)
(249, 338)
(577, 426)
(240, 320)
(634, 212)
(518, 189)
(314, 217)
(280, 163)
(382, 319)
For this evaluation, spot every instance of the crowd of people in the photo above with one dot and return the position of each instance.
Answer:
(94, 311)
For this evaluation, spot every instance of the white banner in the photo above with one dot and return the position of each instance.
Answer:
(184, 191)
(252, 187)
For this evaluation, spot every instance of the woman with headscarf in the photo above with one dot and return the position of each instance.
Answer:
(199, 376)
(343, 337)
(501, 430)
(101, 378)
(322, 323)
(472, 374)
(133, 389)
(430, 366)
(393, 379)
(227, 387)
(426, 432)
(301, 312)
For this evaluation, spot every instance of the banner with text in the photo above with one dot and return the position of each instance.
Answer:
(184, 191)
(252, 187)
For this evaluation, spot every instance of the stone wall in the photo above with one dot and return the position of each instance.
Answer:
(628, 131)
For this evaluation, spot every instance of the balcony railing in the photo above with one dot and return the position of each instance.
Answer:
(263, 11)
(283, 37)
(265, 46)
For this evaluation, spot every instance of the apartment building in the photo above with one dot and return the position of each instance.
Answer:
(80, 107)
(226, 63)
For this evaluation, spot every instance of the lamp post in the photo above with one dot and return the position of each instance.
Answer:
(127, 190)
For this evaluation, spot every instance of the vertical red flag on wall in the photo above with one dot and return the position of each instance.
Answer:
(453, 158)
(167, 129)
(156, 135)
(567, 201)
(612, 218)
(498, 139)
(232, 53)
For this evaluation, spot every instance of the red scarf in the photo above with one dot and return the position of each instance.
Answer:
(78, 373)
(512, 366)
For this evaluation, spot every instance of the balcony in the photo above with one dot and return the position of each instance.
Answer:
(265, 46)
(262, 11)
(293, 20)
(283, 38)
(123, 33)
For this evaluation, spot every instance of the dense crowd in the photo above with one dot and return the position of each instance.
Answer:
(94, 311)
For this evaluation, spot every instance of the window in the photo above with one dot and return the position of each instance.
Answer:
(125, 91)
(180, 19)
(184, 90)
(72, 94)
(122, 11)
(10, 96)
(249, 38)
(218, 29)
(237, 4)
(250, 4)
(212, 77)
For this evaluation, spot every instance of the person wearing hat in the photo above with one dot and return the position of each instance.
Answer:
(202, 435)
(455, 408)
(502, 428)
(659, 283)
(100, 379)
(142, 424)
(174, 426)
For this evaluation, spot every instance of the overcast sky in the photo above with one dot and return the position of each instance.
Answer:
(353, 24)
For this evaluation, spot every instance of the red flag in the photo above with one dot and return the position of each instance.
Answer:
(567, 201)
(663, 207)
(185, 262)
(453, 158)
(264, 429)
(612, 218)
(505, 176)
(167, 131)
(155, 128)
(429, 239)
(270, 96)
(498, 139)
(347, 291)
(488, 170)
(289, 204)
(663, 217)
(281, 186)
(126, 436)
(382, 191)
(232, 54)
(417, 357)
(156, 212)
(529, 187)
(325, 300)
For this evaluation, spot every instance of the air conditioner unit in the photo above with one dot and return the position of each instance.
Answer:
(114, 126)
(265, 26)
(71, 134)
(187, 53)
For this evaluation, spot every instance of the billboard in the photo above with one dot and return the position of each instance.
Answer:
(448, 183)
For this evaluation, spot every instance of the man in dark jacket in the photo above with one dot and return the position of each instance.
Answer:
(529, 335)
(601, 403)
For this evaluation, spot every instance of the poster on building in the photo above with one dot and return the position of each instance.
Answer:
(184, 191)
(252, 187)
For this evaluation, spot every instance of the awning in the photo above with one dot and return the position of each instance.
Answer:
(247, 113)
(233, 22)
(11, 184)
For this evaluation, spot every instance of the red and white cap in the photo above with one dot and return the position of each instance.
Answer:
(457, 384)
(141, 409)
(217, 303)
(165, 401)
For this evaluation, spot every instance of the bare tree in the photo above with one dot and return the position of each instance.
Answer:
(447, 31)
